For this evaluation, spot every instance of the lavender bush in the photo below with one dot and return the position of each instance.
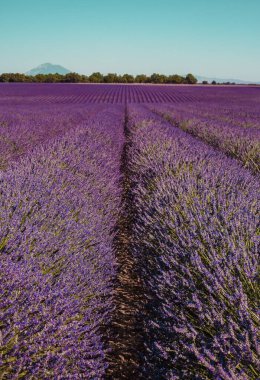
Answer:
(238, 141)
(59, 206)
(30, 125)
(195, 243)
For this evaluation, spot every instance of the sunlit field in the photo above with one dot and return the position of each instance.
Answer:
(129, 231)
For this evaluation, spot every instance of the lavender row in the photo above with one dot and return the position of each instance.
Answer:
(194, 239)
(43, 93)
(92, 93)
(244, 113)
(58, 208)
(236, 141)
(25, 126)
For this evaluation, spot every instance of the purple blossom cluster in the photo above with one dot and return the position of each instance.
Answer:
(194, 239)
(30, 125)
(244, 112)
(59, 206)
(237, 137)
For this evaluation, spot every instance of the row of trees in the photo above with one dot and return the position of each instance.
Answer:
(214, 82)
(98, 78)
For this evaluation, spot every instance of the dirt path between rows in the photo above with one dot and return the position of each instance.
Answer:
(126, 332)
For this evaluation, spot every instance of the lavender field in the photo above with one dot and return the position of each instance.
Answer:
(129, 232)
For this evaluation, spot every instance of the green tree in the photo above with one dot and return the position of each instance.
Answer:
(191, 79)
(121, 79)
(96, 77)
(4, 78)
(141, 78)
(176, 79)
(111, 78)
(49, 78)
(84, 79)
(39, 78)
(72, 78)
(127, 78)
(158, 78)
(13, 77)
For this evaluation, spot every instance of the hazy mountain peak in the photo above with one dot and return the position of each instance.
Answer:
(48, 68)
(221, 80)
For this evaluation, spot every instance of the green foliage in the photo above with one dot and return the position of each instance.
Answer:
(190, 79)
(141, 78)
(127, 78)
(111, 78)
(175, 78)
(158, 78)
(97, 77)
(72, 78)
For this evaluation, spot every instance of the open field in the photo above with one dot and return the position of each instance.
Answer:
(17, 93)
(129, 232)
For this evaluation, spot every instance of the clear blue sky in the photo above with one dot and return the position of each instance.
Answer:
(206, 37)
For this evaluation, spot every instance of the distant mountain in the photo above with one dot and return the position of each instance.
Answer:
(221, 80)
(48, 68)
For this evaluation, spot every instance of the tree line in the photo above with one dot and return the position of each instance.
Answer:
(97, 77)
(214, 82)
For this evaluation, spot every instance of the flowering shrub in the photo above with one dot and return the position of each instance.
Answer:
(195, 243)
(59, 206)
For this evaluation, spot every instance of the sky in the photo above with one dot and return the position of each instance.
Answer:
(205, 37)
